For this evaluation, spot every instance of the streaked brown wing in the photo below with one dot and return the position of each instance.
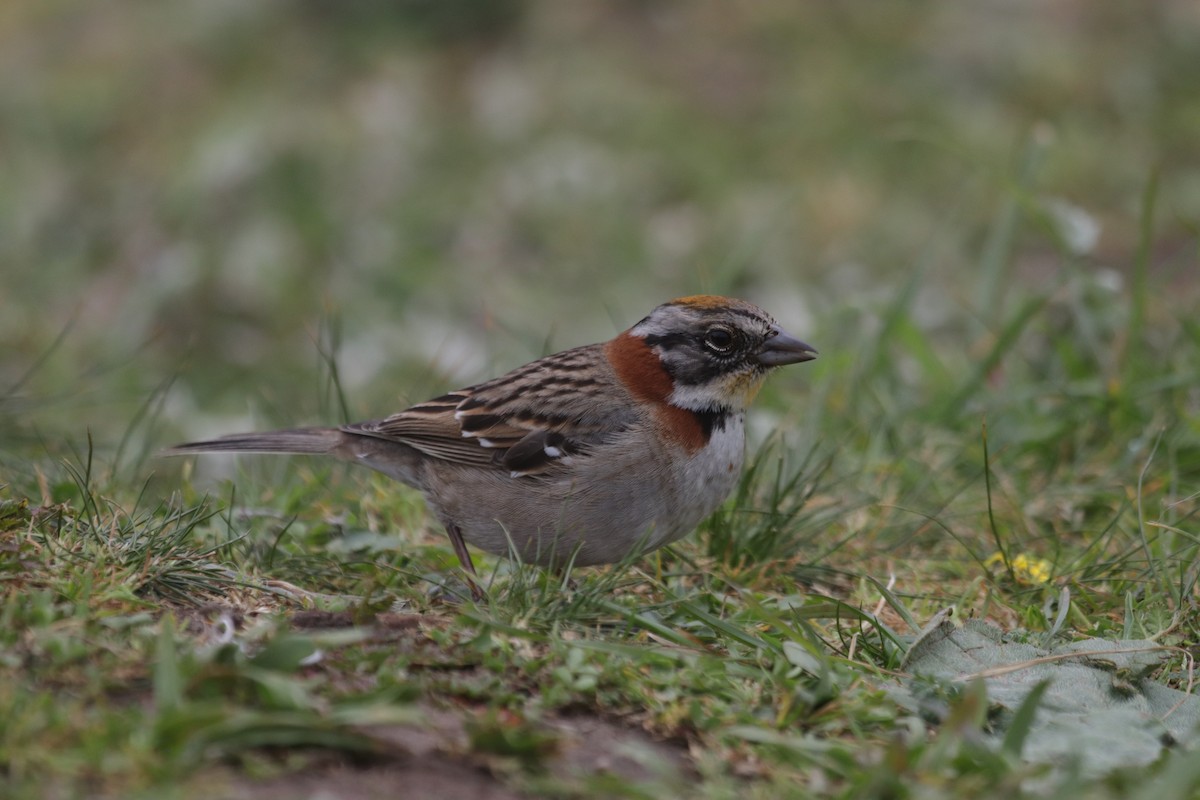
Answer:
(526, 422)
(432, 428)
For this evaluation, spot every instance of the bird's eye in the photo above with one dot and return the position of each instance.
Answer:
(719, 340)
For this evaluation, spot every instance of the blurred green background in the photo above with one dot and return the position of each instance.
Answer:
(205, 204)
(224, 215)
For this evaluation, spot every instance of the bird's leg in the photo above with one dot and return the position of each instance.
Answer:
(464, 558)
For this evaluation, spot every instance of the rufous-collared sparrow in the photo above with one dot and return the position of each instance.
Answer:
(588, 456)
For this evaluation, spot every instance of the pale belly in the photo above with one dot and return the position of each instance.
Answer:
(605, 510)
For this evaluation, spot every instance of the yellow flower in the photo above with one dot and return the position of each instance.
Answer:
(1025, 568)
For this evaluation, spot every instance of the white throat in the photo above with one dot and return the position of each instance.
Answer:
(698, 398)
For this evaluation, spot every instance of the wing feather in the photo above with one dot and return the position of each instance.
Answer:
(506, 423)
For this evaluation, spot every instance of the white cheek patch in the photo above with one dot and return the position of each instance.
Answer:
(553, 452)
(699, 398)
(731, 392)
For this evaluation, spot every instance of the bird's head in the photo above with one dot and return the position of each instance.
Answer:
(716, 350)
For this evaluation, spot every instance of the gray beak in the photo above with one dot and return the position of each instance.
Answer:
(783, 349)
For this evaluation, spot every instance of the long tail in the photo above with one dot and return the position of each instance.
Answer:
(319, 441)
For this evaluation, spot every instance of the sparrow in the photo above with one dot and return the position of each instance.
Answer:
(589, 456)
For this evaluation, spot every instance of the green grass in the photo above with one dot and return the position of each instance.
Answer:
(145, 647)
(215, 235)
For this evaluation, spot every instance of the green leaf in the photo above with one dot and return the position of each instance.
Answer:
(168, 682)
(1089, 702)
(1022, 721)
(284, 653)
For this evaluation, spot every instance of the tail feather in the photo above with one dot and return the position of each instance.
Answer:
(318, 441)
